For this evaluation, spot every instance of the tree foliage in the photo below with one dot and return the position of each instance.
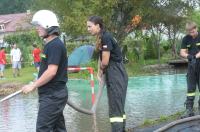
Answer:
(117, 14)
(121, 17)
(24, 41)
(14, 6)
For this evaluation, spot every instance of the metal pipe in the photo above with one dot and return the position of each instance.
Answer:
(10, 96)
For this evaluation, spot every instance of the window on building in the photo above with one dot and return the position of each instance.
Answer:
(2, 27)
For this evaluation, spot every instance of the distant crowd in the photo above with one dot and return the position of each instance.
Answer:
(16, 59)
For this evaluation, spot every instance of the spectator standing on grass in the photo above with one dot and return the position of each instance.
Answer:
(15, 58)
(2, 62)
(36, 56)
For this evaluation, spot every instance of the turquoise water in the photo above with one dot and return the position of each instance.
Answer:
(147, 97)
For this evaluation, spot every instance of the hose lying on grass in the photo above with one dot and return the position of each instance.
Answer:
(177, 122)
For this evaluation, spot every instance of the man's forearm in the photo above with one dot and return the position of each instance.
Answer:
(184, 54)
(45, 78)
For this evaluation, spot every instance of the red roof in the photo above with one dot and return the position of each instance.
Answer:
(14, 22)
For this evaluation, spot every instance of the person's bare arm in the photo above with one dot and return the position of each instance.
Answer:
(47, 75)
(105, 59)
(99, 72)
(184, 53)
(45, 78)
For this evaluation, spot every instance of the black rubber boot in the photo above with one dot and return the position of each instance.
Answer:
(189, 110)
(124, 124)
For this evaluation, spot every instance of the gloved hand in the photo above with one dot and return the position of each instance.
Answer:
(192, 61)
(190, 57)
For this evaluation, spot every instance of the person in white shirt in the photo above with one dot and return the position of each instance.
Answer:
(16, 60)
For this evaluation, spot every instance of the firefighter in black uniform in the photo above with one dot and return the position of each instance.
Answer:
(190, 49)
(52, 77)
(110, 64)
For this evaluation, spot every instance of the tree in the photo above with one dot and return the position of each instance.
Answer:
(116, 13)
(156, 16)
(73, 14)
(166, 17)
(24, 40)
(14, 6)
(195, 16)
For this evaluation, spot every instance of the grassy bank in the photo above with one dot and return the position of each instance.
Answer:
(26, 75)
(133, 69)
(161, 119)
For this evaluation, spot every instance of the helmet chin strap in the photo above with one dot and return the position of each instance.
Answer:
(52, 30)
(46, 36)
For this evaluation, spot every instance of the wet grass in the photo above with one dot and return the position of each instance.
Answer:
(25, 77)
(8, 88)
(11, 84)
(161, 119)
(136, 69)
(133, 69)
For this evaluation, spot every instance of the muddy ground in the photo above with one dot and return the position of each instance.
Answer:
(9, 88)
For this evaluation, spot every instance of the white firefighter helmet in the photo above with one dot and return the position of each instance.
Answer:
(45, 19)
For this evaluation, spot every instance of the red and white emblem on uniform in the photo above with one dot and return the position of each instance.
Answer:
(105, 46)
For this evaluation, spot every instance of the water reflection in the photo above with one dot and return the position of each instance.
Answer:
(147, 97)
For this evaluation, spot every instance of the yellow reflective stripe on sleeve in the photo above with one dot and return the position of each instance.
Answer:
(116, 119)
(188, 46)
(198, 44)
(190, 94)
(124, 117)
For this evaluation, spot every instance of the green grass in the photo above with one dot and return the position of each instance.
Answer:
(133, 69)
(25, 77)
(136, 69)
(165, 119)
(161, 119)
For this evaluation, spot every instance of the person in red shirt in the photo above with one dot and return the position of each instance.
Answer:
(2, 62)
(36, 56)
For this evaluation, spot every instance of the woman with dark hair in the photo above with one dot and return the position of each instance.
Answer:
(110, 64)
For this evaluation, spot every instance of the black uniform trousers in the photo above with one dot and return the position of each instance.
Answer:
(193, 80)
(50, 115)
(117, 82)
